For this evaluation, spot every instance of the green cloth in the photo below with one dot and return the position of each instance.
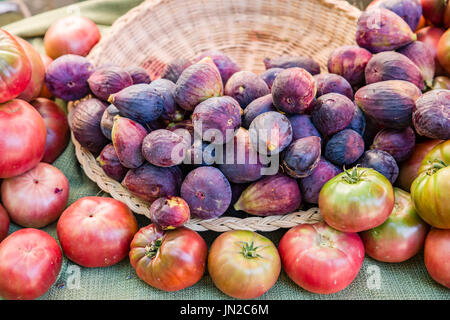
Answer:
(408, 280)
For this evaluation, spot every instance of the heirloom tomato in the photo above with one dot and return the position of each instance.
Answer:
(4, 223)
(437, 256)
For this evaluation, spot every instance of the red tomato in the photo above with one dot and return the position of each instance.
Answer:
(37, 197)
(431, 36)
(243, 264)
(409, 170)
(58, 133)
(30, 261)
(402, 235)
(45, 93)
(443, 52)
(437, 256)
(71, 35)
(37, 71)
(22, 138)
(96, 231)
(168, 260)
(15, 68)
(321, 259)
(4, 223)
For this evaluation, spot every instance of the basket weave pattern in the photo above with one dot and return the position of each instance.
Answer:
(158, 31)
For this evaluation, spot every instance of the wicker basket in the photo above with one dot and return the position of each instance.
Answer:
(159, 31)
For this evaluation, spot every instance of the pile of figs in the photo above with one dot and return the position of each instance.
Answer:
(206, 136)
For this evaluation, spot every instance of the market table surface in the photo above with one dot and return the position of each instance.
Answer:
(376, 280)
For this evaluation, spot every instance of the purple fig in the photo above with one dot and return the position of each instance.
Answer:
(382, 162)
(166, 89)
(269, 76)
(333, 83)
(441, 83)
(107, 121)
(398, 143)
(358, 122)
(202, 154)
(270, 133)
(207, 192)
(66, 77)
(432, 115)
(127, 137)
(183, 128)
(302, 127)
(257, 107)
(372, 129)
(392, 65)
(217, 119)
(294, 90)
(139, 102)
(350, 63)
(164, 148)
(332, 113)
(390, 103)
(302, 157)
(85, 124)
(107, 81)
(197, 83)
(157, 124)
(272, 195)
(236, 191)
(227, 66)
(380, 30)
(344, 147)
(150, 183)
(169, 213)
(174, 69)
(139, 75)
(419, 53)
(287, 62)
(245, 86)
(241, 163)
(408, 10)
(110, 163)
(310, 186)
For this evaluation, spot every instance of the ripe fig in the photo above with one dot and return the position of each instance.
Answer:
(432, 116)
(372, 129)
(207, 192)
(183, 128)
(350, 63)
(169, 213)
(269, 76)
(332, 113)
(197, 83)
(85, 125)
(333, 83)
(272, 195)
(110, 163)
(398, 143)
(441, 83)
(164, 148)
(174, 69)
(109, 80)
(245, 86)
(127, 137)
(166, 89)
(408, 10)
(257, 107)
(310, 186)
(138, 74)
(227, 66)
(392, 65)
(302, 127)
(139, 102)
(287, 62)
(66, 77)
(382, 162)
(358, 122)
(107, 121)
(150, 183)
(380, 30)
(390, 103)
(217, 119)
(431, 36)
(202, 154)
(241, 163)
(294, 90)
(344, 147)
(270, 133)
(302, 157)
(419, 53)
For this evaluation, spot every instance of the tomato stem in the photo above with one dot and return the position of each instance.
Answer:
(436, 165)
(352, 176)
(249, 250)
(152, 249)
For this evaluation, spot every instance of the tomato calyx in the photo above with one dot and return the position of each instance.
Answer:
(435, 166)
(352, 176)
(152, 248)
(249, 250)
